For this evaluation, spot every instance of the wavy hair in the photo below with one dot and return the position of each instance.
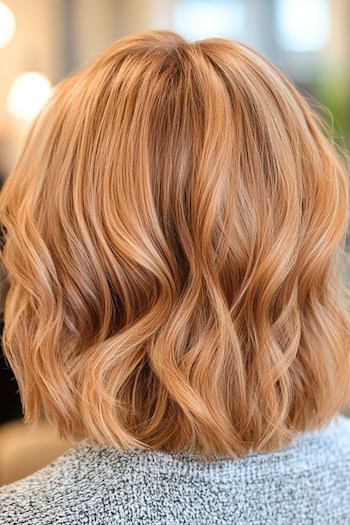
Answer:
(175, 230)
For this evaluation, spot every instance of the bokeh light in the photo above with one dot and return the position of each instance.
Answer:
(7, 24)
(28, 94)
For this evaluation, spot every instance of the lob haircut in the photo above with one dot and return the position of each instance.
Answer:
(175, 230)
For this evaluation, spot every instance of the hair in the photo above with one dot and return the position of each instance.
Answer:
(175, 226)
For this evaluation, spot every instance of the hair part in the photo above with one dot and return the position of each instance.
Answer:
(175, 227)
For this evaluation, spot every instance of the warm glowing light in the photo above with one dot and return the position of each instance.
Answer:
(28, 94)
(7, 24)
(205, 18)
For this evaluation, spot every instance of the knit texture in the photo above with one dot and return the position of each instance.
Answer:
(307, 483)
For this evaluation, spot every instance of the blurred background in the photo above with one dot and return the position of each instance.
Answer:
(42, 41)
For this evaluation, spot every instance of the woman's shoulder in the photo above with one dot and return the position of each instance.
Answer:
(90, 484)
(332, 439)
(42, 496)
(76, 488)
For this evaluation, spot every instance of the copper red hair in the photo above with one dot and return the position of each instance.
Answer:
(175, 227)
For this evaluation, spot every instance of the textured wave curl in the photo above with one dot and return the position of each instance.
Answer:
(175, 230)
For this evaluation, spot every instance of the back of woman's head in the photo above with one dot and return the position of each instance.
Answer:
(173, 232)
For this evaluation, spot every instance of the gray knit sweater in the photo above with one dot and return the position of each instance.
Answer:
(308, 483)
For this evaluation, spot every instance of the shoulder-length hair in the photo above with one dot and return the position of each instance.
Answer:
(175, 227)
